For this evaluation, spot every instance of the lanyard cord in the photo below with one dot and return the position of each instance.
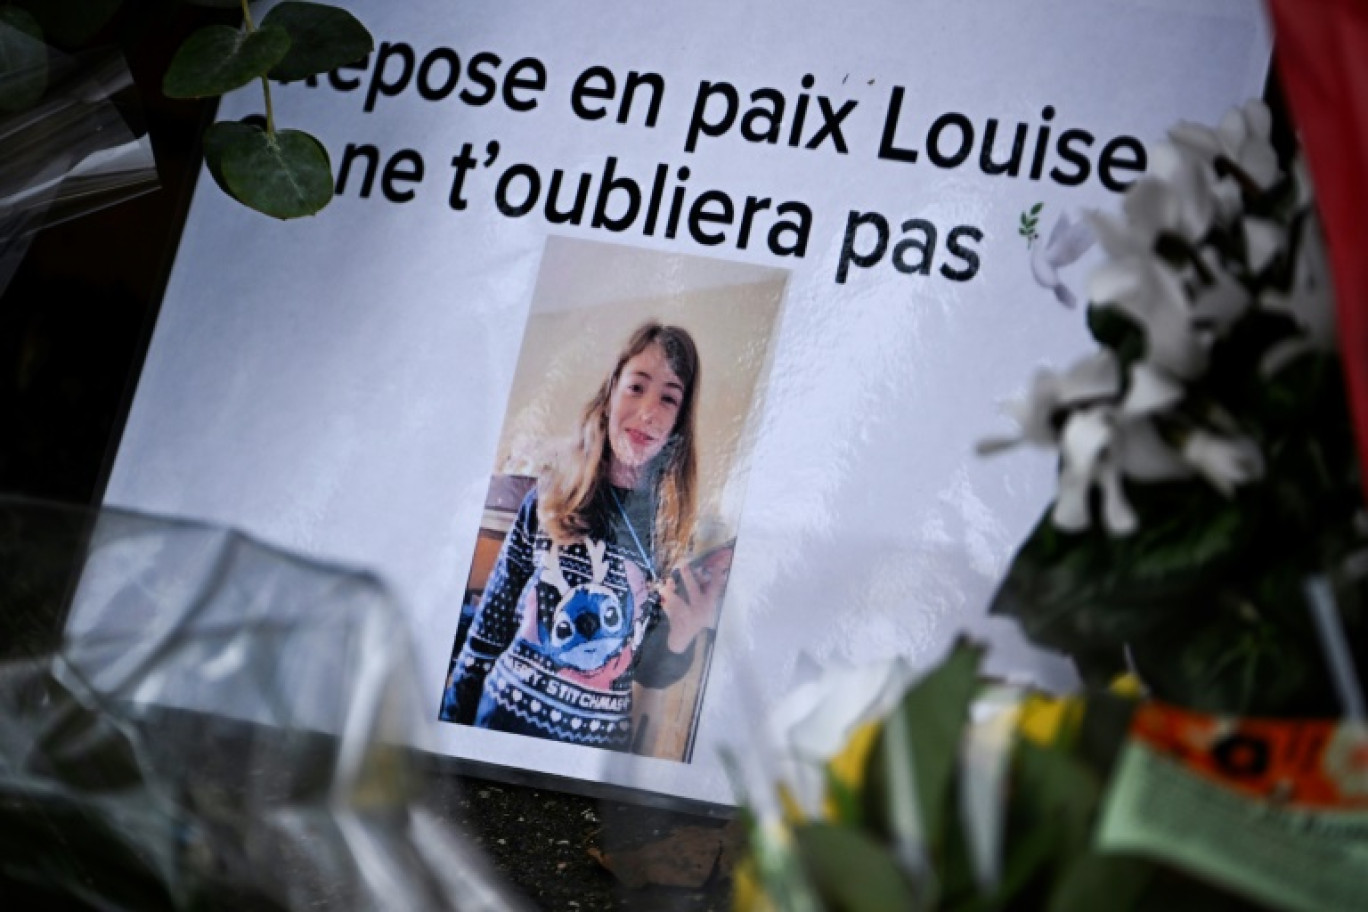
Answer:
(631, 530)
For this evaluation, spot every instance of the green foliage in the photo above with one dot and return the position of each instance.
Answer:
(217, 59)
(1030, 219)
(282, 173)
(322, 38)
(23, 60)
(913, 759)
(851, 870)
(285, 174)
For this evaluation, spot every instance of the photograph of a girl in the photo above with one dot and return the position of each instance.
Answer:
(595, 586)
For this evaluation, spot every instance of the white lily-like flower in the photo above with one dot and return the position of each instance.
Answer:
(1309, 301)
(1150, 293)
(1219, 301)
(1225, 462)
(1070, 238)
(1085, 462)
(1037, 415)
(1105, 443)
(1242, 139)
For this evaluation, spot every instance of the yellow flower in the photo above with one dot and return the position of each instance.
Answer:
(1045, 719)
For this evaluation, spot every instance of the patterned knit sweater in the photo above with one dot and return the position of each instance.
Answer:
(560, 634)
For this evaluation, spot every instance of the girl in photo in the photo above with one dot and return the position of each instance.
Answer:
(591, 590)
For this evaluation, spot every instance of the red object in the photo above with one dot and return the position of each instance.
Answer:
(1322, 58)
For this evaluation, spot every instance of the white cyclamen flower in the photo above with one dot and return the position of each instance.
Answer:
(1309, 301)
(1095, 377)
(1242, 139)
(1225, 462)
(1070, 238)
(1153, 296)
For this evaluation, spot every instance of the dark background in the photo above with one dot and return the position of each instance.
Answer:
(75, 322)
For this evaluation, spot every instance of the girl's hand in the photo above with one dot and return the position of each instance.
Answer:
(692, 594)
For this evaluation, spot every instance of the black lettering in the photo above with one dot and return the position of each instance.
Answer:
(800, 230)
(1011, 167)
(887, 150)
(453, 74)
(480, 71)
(831, 125)
(933, 149)
(372, 156)
(925, 244)
(1066, 151)
(752, 206)
(698, 122)
(967, 254)
(347, 85)
(699, 214)
(583, 89)
(612, 184)
(854, 222)
(515, 80)
(1111, 160)
(635, 80)
(407, 167)
(575, 213)
(379, 83)
(773, 116)
(1042, 144)
(529, 174)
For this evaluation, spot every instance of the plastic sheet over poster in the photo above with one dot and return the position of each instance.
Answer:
(854, 209)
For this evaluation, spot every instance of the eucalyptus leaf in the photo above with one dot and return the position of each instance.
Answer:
(219, 58)
(23, 60)
(322, 38)
(218, 138)
(1095, 881)
(852, 871)
(285, 175)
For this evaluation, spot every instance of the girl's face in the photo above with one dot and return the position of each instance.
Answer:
(641, 413)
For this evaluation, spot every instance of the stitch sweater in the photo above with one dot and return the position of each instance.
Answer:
(559, 636)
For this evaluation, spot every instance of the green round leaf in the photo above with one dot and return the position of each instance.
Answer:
(287, 175)
(219, 58)
(23, 60)
(322, 38)
(217, 139)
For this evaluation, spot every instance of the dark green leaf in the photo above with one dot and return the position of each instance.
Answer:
(217, 139)
(218, 4)
(1094, 881)
(852, 871)
(322, 38)
(287, 175)
(218, 59)
(920, 741)
(23, 60)
(1035, 210)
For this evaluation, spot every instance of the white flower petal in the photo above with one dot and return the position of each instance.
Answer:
(1225, 462)
(1151, 390)
(1117, 280)
(1070, 511)
(1096, 376)
(1085, 436)
(1264, 240)
(1117, 514)
(1259, 160)
(1144, 455)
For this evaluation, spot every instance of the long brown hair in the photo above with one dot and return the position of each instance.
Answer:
(572, 490)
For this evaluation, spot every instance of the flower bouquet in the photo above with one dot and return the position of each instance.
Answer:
(1207, 468)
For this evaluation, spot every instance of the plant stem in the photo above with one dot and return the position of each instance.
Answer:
(265, 83)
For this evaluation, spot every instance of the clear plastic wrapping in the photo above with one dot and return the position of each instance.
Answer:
(222, 725)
